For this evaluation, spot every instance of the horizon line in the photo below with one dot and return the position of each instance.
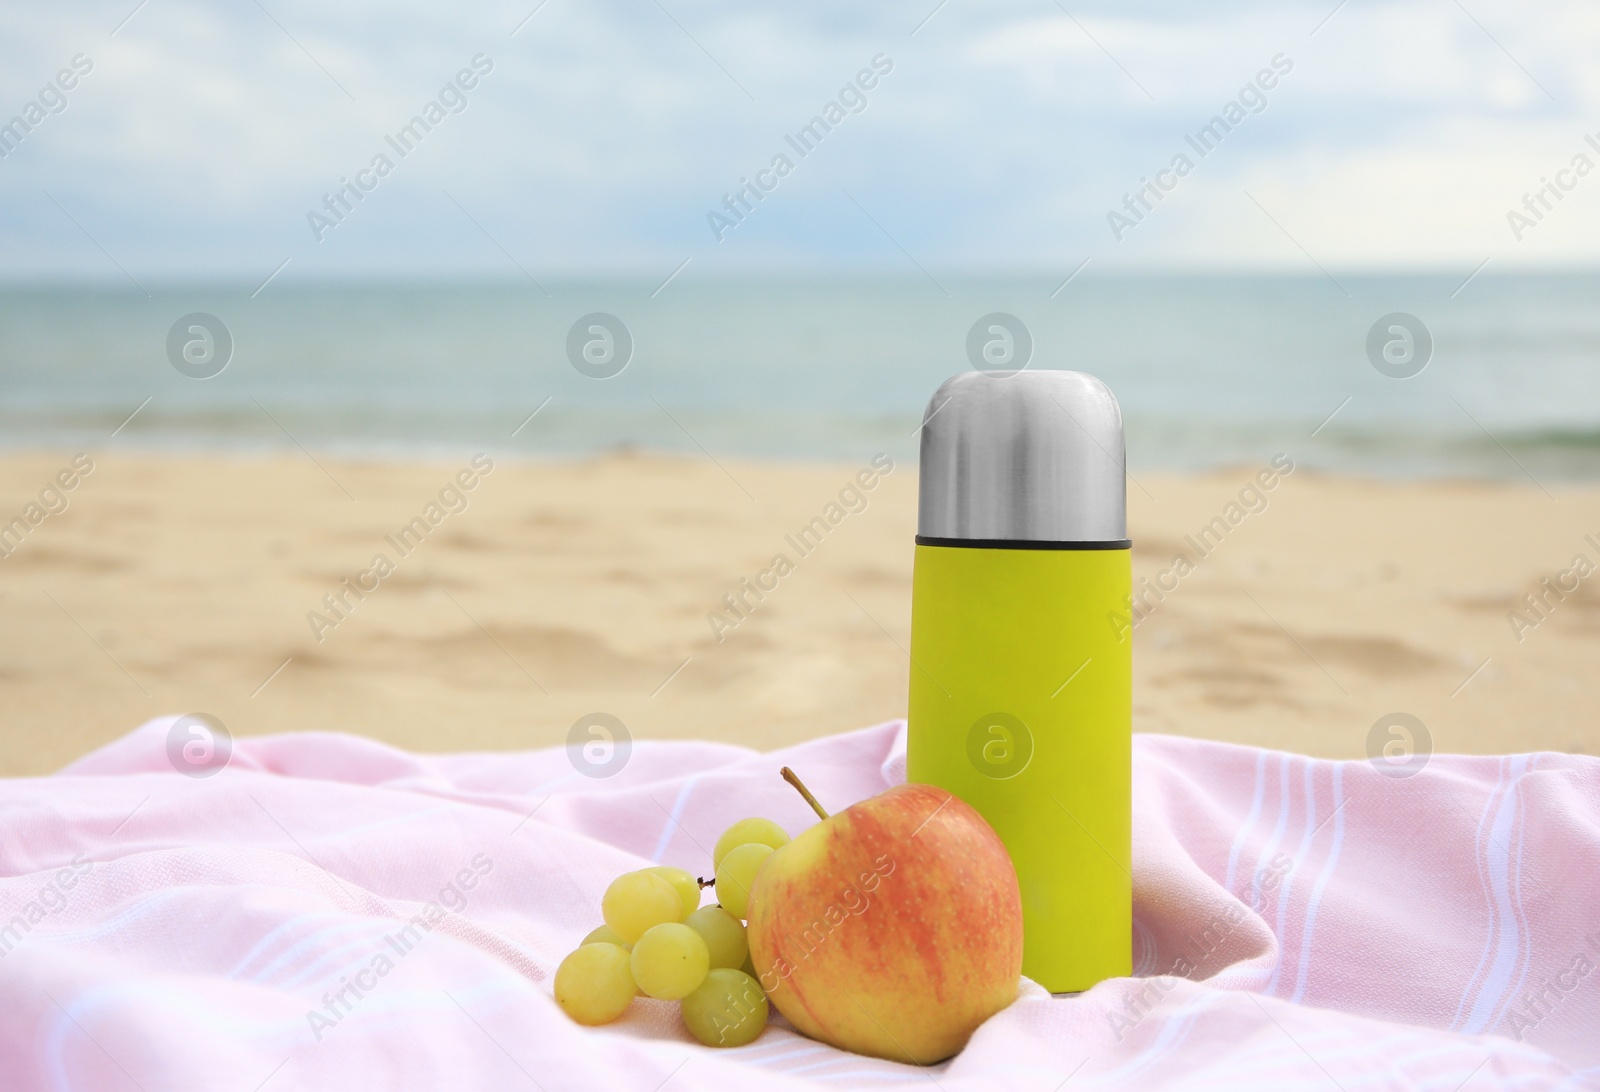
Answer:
(230, 281)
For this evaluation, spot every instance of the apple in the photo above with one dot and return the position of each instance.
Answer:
(893, 928)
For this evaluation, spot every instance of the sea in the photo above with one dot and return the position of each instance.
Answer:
(1500, 372)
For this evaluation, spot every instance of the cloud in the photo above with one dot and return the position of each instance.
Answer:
(607, 131)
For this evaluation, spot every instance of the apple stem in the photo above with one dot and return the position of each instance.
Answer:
(800, 787)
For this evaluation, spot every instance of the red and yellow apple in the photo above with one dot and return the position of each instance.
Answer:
(893, 928)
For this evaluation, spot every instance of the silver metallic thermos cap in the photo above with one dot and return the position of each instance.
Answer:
(1029, 456)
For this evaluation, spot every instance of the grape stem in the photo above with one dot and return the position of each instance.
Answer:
(800, 787)
(705, 883)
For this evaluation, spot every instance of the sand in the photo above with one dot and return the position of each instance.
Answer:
(184, 584)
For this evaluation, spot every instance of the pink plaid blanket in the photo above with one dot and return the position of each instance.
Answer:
(328, 912)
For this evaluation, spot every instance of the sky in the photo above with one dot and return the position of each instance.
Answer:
(599, 137)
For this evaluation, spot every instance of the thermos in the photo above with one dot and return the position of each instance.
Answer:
(1021, 657)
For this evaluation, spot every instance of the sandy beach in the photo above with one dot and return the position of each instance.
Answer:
(513, 598)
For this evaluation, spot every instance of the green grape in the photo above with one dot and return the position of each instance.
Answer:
(723, 934)
(687, 887)
(604, 934)
(728, 1009)
(635, 901)
(670, 961)
(735, 874)
(764, 831)
(594, 984)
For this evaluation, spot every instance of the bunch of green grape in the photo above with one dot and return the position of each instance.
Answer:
(659, 941)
